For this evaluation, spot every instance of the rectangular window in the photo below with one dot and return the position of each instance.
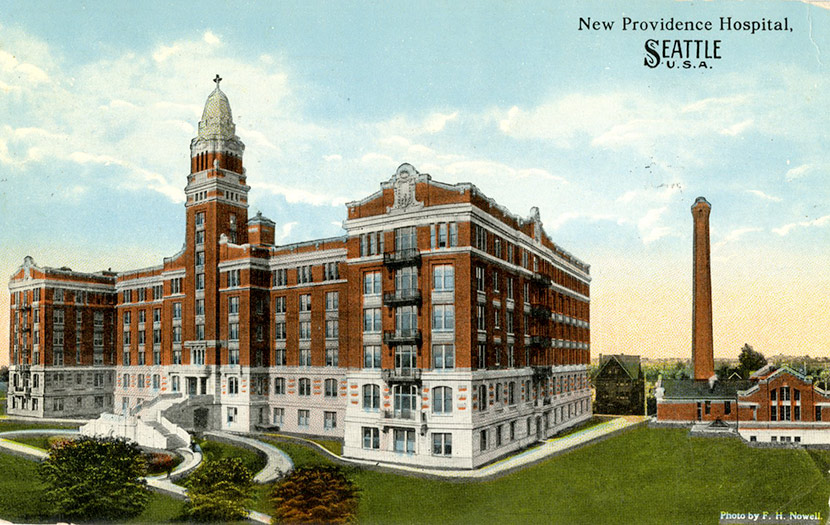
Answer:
(279, 386)
(332, 329)
(453, 240)
(371, 356)
(232, 412)
(305, 357)
(177, 334)
(443, 318)
(443, 357)
(233, 331)
(279, 305)
(177, 310)
(405, 238)
(332, 357)
(281, 277)
(279, 331)
(200, 259)
(404, 440)
(482, 355)
(510, 283)
(329, 420)
(305, 330)
(156, 315)
(496, 318)
(482, 440)
(200, 332)
(233, 305)
(279, 357)
(332, 301)
(302, 418)
(818, 413)
(479, 278)
(371, 320)
(371, 283)
(481, 317)
(371, 438)
(443, 277)
(200, 281)
(442, 444)
(727, 407)
(305, 303)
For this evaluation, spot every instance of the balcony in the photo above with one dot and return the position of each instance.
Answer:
(541, 372)
(540, 311)
(540, 341)
(540, 279)
(406, 257)
(399, 414)
(402, 297)
(402, 337)
(401, 375)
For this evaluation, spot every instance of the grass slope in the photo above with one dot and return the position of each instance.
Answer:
(643, 476)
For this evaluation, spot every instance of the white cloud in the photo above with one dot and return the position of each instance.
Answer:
(649, 225)
(210, 38)
(333, 158)
(761, 195)
(298, 195)
(800, 172)
(815, 223)
(735, 235)
(737, 128)
(437, 121)
(285, 232)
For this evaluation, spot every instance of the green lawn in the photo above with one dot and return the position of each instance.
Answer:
(21, 498)
(8, 425)
(333, 446)
(39, 441)
(642, 476)
(214, 450)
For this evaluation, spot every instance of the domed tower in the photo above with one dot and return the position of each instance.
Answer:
(217, 211)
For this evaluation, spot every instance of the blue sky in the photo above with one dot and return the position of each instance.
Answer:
(100, 100)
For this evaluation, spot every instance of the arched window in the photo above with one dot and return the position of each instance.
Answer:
(233, 385)
(442, 400)
(371, 397)
(405, 401)
(305, 386)
(482, 397)
(331, 388)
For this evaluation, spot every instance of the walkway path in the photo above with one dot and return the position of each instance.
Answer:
(277, 463)
(551, 447)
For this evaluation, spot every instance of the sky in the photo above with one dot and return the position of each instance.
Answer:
(99, 102)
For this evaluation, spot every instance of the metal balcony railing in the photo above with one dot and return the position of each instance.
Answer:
(405, 257)
(540, 311)
(399, 414)
(402, 337)
(540, 341)
(542, 279)
(401, 375)
(402, 297)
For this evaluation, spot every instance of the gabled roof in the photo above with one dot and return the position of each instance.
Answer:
(769, 371)
(629, 363)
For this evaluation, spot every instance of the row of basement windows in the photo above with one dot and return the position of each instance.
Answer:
(303, 417)
(59, 404)
(403, 441)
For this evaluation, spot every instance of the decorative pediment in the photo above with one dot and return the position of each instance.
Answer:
(403, 183)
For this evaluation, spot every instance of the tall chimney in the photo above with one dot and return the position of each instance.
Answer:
(703, 354)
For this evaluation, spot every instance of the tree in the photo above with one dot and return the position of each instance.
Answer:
(92, 478)
(315, 495)
(4, 374)
(750, 361)
(220, 491)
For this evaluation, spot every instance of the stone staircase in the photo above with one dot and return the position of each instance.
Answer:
(145, 425)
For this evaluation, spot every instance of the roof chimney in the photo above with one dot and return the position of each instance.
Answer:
(703, 356)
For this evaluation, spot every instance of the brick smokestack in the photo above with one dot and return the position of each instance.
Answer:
(702, 348)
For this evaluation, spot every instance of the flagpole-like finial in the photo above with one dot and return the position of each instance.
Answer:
(217, 80)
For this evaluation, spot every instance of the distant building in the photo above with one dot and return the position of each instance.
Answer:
(775, 405)
(620, 385)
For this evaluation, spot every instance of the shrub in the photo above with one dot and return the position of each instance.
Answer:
(158, 462)
(321, 494)
(220, 491)
(57, 441)
(95, 478)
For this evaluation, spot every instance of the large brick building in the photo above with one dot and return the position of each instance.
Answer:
(439, 330)
(775, 405)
